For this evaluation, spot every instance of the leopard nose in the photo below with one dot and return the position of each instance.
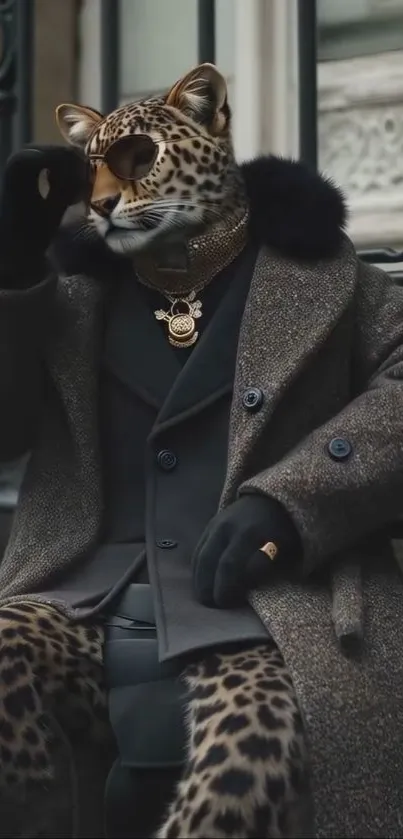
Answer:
(105, 206)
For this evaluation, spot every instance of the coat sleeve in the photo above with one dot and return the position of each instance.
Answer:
(25, 314)
(335, 503)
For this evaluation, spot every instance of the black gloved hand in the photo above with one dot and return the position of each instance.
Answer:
(29, 219)
(227, 562)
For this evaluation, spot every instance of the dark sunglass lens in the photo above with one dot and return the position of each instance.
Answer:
(131, 158)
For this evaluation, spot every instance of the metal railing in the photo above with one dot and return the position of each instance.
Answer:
(16, 74)
(110, 54)
(206, 31)
(8, 74)
(25, 40)
(16, 129)
(388, 259)
(307, 77)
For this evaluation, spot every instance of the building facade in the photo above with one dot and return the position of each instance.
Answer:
(360, 82)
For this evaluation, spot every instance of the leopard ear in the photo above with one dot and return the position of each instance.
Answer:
(202, 95)
(76, 123)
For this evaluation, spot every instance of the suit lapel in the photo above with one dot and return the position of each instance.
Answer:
(209, 370)
(290, 312)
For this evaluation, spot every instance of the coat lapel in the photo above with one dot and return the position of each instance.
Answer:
(291, 310)
(209, 370)
(73, 363)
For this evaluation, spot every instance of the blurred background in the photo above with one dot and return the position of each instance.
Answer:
(103, 52)
(319, 80)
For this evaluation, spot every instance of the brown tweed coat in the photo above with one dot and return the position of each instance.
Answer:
(322, 338)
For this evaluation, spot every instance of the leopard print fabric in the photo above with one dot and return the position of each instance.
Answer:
(46, 666)
(245, 772)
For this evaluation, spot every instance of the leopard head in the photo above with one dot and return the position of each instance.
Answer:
(159, 166)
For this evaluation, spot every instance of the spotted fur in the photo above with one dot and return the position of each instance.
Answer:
(245, 769)
(47, 666)
(194, 179)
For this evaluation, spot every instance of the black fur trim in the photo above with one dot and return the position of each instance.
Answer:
(294, 210)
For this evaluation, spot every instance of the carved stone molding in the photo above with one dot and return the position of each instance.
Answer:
(360, 105)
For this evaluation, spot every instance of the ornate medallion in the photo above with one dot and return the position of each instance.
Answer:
(181, 319)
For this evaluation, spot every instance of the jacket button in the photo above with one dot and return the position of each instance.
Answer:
(166, 544)
(252, 399)
(340, 448)
(166, 460)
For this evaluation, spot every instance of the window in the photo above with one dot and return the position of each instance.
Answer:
(350, 28)
(360, 103)
(159, 42)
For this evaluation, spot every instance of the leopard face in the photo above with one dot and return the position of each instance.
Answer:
(159, 166)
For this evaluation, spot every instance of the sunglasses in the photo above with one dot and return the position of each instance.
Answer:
(132, 158)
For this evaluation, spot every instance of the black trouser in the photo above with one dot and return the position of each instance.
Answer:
(146, 702)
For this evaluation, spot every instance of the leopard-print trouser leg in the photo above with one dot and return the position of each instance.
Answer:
(246, 773)
(46, 664)
(52, 699)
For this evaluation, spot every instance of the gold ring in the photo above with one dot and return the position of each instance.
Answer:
(270, 549)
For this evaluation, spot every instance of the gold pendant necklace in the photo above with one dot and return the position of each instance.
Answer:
(181, 319)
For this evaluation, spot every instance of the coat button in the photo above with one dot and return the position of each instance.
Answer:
(166, 460)
(166, 544)
(252, 399)
(340, 448)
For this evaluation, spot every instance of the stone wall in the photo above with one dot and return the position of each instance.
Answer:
(360, 105)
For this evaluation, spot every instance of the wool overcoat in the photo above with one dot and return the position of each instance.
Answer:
(316, 422)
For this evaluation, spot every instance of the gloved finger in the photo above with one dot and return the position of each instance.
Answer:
(205, 563)
(22, 169)
(70, 177)
(67, 173)
(230, 583)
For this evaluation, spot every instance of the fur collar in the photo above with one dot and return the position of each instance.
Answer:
(293, 210)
